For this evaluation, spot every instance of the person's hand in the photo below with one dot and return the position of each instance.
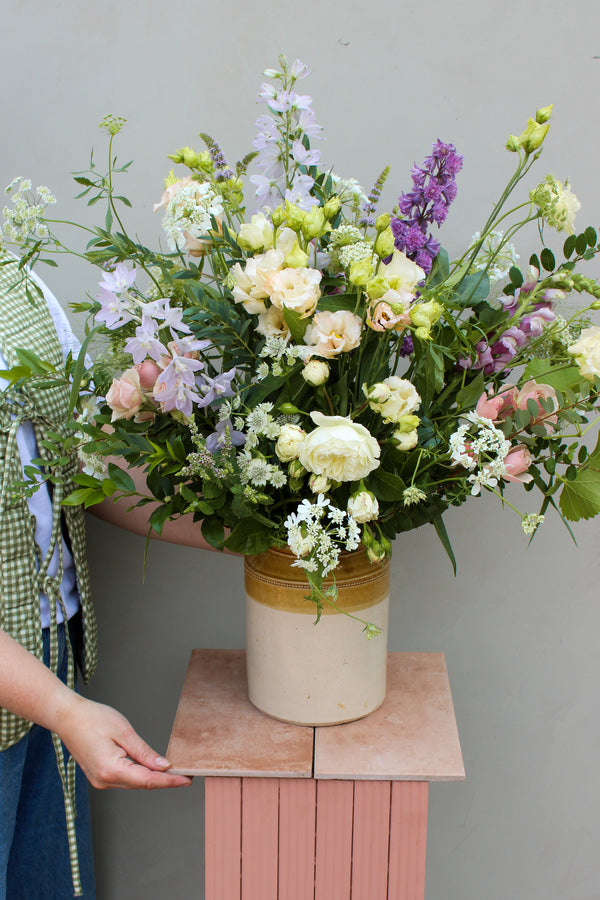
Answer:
(108, 749)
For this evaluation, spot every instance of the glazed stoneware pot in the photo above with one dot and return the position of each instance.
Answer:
(315, 674)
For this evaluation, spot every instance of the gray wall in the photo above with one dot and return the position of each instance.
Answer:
(519, 626)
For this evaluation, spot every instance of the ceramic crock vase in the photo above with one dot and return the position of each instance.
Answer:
(315, 674)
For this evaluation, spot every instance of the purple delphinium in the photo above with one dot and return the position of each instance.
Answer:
(434, 189)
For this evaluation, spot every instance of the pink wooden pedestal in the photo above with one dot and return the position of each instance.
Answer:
(329, 813)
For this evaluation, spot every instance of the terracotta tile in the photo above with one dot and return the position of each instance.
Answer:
(411, 737)
(217, 731)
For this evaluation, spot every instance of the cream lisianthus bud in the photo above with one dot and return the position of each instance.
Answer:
(543, 114)
(314, 223)
(384, 243)
(278, 216)
(377, 287)
(361, 271)
(332, 207)
(315, 372)
(291, 437)
(256, 235)
(294, 216)
(296, 258)
(513, 143)
(382, 222)
(533, 136)
(407, 423)
(363, 506)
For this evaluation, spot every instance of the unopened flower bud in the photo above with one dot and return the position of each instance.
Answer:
(543, 114)
(278, 217)
(288, 409)
(407, 423)
(319, 484)
(376, 552)
(377, 393)
(513, 143)
(296, 470)
(314, 223)
(291, 437)
(533, 136)
(332, 207)
(294, 216)
(315, 372)
(405, 440)
(382, 222)
(595, 305)
(384, 243)
(363, 506)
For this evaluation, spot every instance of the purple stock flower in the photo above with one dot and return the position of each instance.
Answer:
(434, 189)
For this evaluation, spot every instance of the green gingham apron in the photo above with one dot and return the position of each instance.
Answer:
(25, 322)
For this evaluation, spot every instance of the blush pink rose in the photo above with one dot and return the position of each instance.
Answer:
(148, 372)
(125, 396)
(531, 390)
(516, 464)
(496, 406)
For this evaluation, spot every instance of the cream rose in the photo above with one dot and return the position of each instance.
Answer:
(339, 448)
(363, 506)
(332, 333)
(587, 352)
(392, 398)
(291, 437)
(295, 288)
(315, 372)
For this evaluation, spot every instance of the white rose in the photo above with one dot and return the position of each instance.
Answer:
(295, 288)
(363, 506)
(315, 372)
(587, 352)
(332, 333)
(403, 398)
(406, 440)
(291, 437)
(339, 448)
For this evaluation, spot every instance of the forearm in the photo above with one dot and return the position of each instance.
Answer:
(125, 514)
(28, 688)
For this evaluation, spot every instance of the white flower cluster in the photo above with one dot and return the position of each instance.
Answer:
(188, 213)
(25, 219)
(482, 455)
(354, 253)
(531, 523)
(318, 532)
(495, 253)
(258, 472)
(277, 349)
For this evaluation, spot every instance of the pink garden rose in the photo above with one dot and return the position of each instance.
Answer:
(531, 390)
(516, 464)
(496, 406)
(125, 396)
(148, 372)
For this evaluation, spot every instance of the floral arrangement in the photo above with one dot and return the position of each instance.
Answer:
(297, 369)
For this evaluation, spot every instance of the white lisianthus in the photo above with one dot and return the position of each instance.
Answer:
(401, 273)
(256, 234)
(332, 333)
(272, 323)
(250, 282)
(315, 372)
(587, 352)
(398, 398)
(339, 448)
(363, 506)
(291, 437)
(295, 288)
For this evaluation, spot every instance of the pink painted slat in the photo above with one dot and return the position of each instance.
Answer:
(370, 840)
(260, 838)
(408, 840)
(223, 838)
(333, 868)
(297, 819)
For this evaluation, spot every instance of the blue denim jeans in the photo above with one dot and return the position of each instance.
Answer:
(34, 852)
